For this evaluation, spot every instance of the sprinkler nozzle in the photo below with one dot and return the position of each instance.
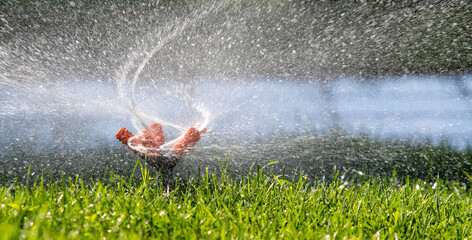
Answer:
(123, 135)
(148, 140)
(191, 137)
(147, 144)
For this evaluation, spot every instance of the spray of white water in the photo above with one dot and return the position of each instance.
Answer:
(129, 75)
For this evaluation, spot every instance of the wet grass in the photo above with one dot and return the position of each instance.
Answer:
(258, 204)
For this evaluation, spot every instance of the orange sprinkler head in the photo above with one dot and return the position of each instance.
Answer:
(145, 141)
(123, 135)
(148, 141)
(191, 137)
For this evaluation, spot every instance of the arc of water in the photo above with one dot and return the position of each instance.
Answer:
(141, 67)
(127, 67)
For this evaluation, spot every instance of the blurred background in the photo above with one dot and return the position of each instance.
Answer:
(305, 83)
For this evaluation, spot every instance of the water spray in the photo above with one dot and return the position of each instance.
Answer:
(150, 142)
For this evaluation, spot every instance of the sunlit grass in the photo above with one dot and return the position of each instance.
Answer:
(258, 204)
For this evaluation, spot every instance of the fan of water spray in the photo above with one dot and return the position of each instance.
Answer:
(128, 80)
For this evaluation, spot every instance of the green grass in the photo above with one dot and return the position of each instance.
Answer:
(258, 204)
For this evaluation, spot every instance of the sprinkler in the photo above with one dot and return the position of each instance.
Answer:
(147, 145)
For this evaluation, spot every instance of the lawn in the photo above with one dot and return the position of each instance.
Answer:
(257, 204)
